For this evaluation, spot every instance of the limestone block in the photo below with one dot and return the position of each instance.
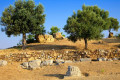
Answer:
(73, 71)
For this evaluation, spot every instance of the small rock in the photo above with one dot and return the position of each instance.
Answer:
(115, 59)
(34, 64)
(73, 71)
(109, 60)
(47, 62)
(25, 65)
(59, 61)
(101, 59)
(3, 62)
(85, 59)
(68, 61)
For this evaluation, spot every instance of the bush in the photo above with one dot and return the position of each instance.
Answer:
(30, 38)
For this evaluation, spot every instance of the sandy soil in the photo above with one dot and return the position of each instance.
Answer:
(90, 71)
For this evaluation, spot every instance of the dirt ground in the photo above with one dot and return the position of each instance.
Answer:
(108, 70)
(90, 71)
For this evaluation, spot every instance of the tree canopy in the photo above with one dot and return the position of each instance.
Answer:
(87, 23)
(54, 29)
(114, 24)
(23, 17)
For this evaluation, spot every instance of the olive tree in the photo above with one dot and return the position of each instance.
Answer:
(87, 24)
(23, 17)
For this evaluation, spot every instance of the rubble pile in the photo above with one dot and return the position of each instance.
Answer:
(54, 55)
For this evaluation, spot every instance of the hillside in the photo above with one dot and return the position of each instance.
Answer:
(106, 70)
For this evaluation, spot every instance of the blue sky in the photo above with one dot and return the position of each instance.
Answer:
(57, 12)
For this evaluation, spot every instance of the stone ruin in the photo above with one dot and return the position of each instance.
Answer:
(44, 38)
(73, 71)
(58, 36)
(49, 38)
(64, 55)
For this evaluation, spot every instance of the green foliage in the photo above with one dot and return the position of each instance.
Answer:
(102, 71)
(30, 38)
(117, 36)
(23, 17)
(86, 24)
(54, 29)
(114, 24)
(62, 34)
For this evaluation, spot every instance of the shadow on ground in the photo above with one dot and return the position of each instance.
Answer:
(86, 74)
(50, 47)
(60, 76)
(111, 40)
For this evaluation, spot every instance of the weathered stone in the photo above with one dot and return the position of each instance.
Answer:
(3, 62)
(58, 35)
(49, 38)
(45, 38)
(115, 59)
(68, 61)
(47, 62)
(25, 65)
(85, 59)
(101, 59)
(34, 64)
(41, 38)
(60, 61)
(109, 60)
(73, 71)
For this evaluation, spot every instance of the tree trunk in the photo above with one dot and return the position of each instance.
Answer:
(36, 37)
(24, 41)
(85, 39)
(109, 33)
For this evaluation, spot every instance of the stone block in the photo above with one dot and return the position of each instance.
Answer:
(3, 62)
(34, 64)
(73, 71)
(85, 59)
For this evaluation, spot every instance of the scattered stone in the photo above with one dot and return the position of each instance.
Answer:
(115, 59)
(59, 61)
(85, 59)
(47, 62)
(73, 71)
(25, 65)
(101, 59)
(109, 60)
(3, 62)
(58, 35)
(34, 64)
(104, 59)
(68, 61)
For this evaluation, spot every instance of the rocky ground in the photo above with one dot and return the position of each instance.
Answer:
(67, 50)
